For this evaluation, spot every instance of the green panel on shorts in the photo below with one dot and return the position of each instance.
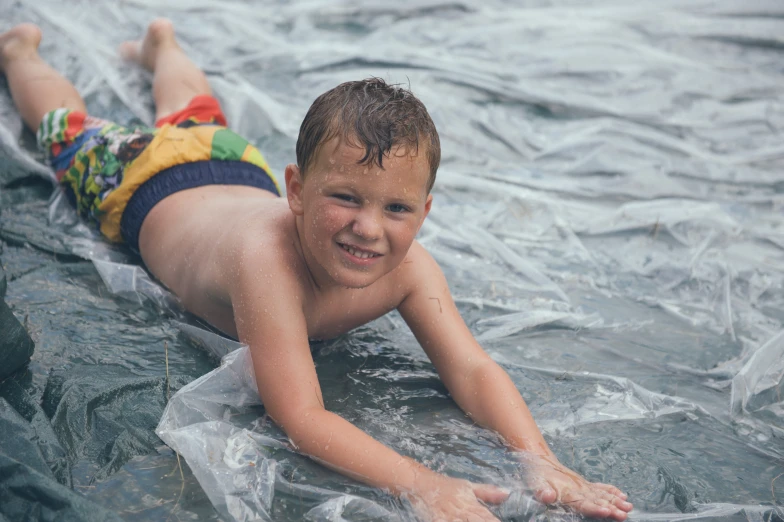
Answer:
(227, 145)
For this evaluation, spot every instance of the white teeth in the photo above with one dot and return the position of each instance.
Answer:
(354, 252)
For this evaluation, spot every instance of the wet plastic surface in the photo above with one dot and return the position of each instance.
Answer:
(617, 173)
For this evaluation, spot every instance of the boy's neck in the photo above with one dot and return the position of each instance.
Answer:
(319, 279)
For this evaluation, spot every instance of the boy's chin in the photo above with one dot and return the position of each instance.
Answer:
(355, 282)
(355, 279)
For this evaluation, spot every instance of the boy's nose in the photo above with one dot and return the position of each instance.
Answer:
(367, 225)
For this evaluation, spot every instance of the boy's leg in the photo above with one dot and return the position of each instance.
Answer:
(36, 88)
(176, 79)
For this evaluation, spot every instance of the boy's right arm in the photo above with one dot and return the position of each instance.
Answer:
(270, 320)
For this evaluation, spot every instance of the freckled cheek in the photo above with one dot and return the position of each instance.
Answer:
(402, 234)
(331, 219)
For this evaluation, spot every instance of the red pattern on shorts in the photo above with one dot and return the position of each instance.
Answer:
(201, 109)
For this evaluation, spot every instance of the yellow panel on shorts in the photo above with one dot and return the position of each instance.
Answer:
(252, 155)
(171, 146)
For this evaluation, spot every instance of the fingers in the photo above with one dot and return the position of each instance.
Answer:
(618, 502)
(611, 489)
(462, 510)
(481, 514)
(614, 497)
(621, 504)
(546, 495)
(555, 484)
(489, 493)
(598, 509)
(605, 505)
(458, 499)
(475, 512)
(595, 500)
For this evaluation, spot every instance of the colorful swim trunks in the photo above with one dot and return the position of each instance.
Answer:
(115, 175)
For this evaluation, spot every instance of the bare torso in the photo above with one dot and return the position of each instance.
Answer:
(196, 240)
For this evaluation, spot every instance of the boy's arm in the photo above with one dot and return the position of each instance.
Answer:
(487, 394)
(270, 320)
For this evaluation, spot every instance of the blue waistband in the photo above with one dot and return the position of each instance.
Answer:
(183, 177)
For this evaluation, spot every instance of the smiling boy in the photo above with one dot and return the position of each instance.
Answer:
(199, 204)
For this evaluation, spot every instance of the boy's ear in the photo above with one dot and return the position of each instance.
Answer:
(294, 184)
(428, 204)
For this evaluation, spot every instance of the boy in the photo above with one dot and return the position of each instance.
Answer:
(199, 205)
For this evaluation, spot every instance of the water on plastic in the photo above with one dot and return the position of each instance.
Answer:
(608, 213)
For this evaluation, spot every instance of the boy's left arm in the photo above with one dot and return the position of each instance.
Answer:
(486, 393)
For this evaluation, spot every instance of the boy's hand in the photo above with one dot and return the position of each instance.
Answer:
(554, 483)
(450, 499)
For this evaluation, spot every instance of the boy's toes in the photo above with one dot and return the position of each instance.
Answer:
(130, 50)
(27, 33)
(159, 36)
(159, 30)
(19, 40)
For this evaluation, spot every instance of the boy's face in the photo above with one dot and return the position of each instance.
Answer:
(358, 221)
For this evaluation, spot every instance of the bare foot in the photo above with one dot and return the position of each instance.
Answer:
(160, 35)
(20, 41)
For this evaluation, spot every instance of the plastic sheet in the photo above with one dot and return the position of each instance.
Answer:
(16, 347)
(214, 424)
(608, 214)
(132, 282)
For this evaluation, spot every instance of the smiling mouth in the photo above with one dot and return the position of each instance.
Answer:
(356, 252)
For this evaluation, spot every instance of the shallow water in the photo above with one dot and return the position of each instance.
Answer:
(617, 173)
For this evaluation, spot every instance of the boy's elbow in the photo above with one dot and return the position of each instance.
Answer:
(481, 369)
(299, 423)
(480, 377)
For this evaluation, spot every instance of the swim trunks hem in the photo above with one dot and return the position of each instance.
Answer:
(182, 177)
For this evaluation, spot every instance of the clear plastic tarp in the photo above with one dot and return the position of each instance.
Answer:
(609, 214)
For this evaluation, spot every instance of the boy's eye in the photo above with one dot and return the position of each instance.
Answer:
(344, 197)
(397, 208)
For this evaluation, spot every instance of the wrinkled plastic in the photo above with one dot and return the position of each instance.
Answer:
(762, 373)
(232, 464)
(608, 214)
(213, 423)
(132, 282)
(16, 347)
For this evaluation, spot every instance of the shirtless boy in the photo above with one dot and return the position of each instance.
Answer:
(199, 205)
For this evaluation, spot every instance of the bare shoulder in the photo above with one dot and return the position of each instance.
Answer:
(264, 254)
(417, 270)
(266, 286)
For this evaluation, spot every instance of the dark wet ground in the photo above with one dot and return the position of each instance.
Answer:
(617, 170)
